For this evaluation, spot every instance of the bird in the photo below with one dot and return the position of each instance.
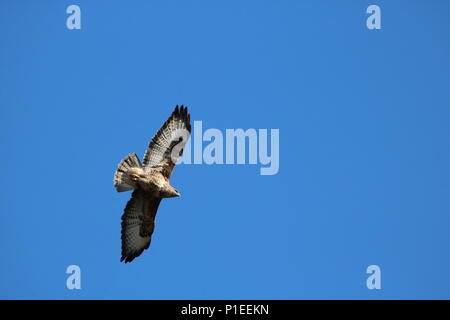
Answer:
(150, 182)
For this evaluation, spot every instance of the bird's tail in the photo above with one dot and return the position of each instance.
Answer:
(122, 177)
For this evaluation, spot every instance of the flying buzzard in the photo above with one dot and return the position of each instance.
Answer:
(150, 182)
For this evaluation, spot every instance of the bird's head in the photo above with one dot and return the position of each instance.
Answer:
(173, 192)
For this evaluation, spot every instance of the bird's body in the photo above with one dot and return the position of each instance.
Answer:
(154, 183)
(150, 182)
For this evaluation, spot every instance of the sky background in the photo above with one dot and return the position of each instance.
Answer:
(364, 148)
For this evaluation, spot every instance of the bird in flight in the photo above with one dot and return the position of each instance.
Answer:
(150, 182)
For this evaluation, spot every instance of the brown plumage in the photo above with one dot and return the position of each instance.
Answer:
(150, 182)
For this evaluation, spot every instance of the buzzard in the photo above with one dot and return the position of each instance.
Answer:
(150, 182)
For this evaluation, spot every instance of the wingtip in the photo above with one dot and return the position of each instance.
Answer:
(182, 112)
(126, 259)
(180, 109)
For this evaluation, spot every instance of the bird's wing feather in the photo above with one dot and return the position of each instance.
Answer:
(167, 145)
(138, 223)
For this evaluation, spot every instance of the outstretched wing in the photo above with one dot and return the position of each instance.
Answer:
(167, 145)
(138, 222)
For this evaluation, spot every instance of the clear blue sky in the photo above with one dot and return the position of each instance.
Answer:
(364, 148)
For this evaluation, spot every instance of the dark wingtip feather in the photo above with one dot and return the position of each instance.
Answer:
(188, 121)
(181, 111)
(128, 258)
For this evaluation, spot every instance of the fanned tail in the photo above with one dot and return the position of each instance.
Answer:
(122, 177)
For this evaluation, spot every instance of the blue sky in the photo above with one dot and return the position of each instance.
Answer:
(364, 148)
